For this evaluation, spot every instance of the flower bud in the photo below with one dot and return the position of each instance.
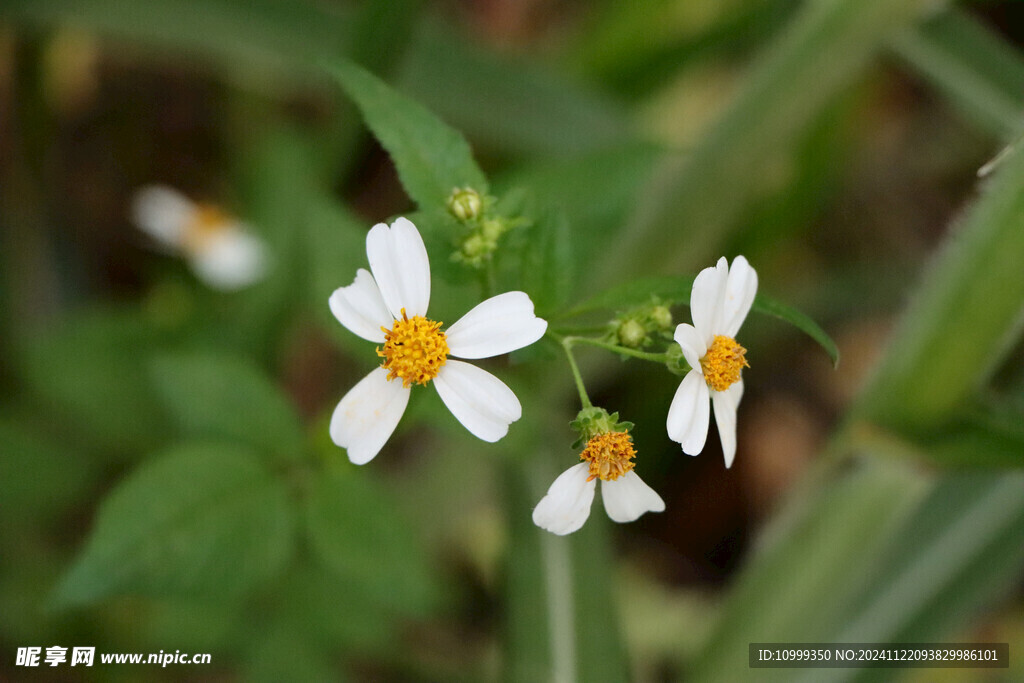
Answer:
(631, 333)
(465, 204)
(661, 318)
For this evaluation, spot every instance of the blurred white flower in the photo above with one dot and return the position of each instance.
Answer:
(719, 302)
(388, 307)
(221, 250)
(609, 457)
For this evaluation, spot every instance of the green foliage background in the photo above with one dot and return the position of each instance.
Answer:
(166, 477)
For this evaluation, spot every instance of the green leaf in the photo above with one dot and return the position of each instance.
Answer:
(695, 202)
(963, 319)
(819, 546)
(798, 320)
(432, 159)
(358, 534)
(981, 72)
(91, 373)
(219, 395)
(676, 290)
(201, 521)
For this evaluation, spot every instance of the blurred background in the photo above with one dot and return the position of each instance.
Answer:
(834, 143)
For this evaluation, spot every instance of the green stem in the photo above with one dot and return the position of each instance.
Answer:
(577, 377)
(634, 353)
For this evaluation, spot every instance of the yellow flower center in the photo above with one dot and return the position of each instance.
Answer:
(207, 221)
(414, 350)
(609, 455)
(723, 363)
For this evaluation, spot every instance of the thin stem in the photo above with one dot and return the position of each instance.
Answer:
(566, 344)
(642, 355)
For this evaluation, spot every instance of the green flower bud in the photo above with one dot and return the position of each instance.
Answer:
(493, 228)
(465, 204)
(661, 318)
(631, 334)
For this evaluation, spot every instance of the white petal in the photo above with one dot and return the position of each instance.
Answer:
(400, 266)
(706, 300)
(230, 259)
(368, 414)
(498, 325)
(360, 308)
(566, 505)
(477, 399)
(690, 413)
(692, 343)
(628, 497)
(162, 213)
(739, 295)
(726, 402)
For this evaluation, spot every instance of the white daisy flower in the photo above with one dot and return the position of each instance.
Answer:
(609, 457)
(221, 250)
(719, 302)
(388, 307)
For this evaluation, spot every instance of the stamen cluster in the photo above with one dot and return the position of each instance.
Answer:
(610, 455)
(414, 350)
(723, 363)
(207, 221)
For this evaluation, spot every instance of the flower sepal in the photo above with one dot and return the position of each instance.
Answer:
(592, 421)
(676, 362)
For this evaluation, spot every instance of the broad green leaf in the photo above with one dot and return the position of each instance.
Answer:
(964, 317)
(548, 267)
(204, 521)
(432, 159)
(676, 290)
(91, 373)
(331, 614)
(360, 537)
(981, 72)
(212, 394)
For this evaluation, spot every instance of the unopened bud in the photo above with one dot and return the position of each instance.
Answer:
(465, 204)
(632, 334)
(661, 318)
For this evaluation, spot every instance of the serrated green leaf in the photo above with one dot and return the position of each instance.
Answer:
(432, 159)
(204, 521)
(213, 394)
(361, 538)
(676, 290)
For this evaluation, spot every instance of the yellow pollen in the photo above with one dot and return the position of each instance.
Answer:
(609, 455)
(414, 350)
(723, 363)
(207, 221)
